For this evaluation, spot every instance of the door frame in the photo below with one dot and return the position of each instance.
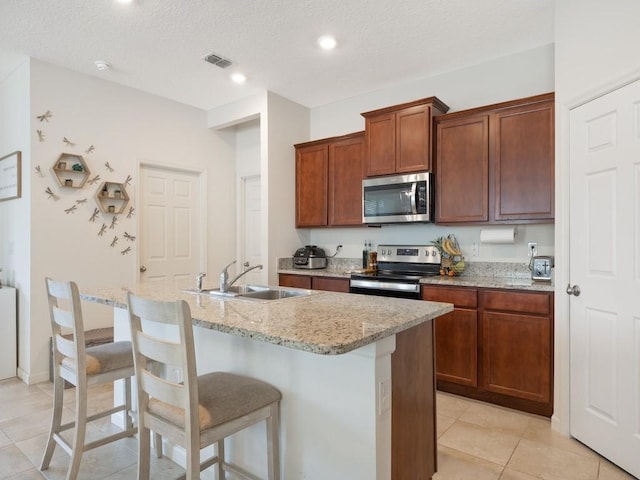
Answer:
(561, 419)
(201, 174)
(241, 220)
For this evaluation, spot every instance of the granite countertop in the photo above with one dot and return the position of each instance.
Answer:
(325, 323)
(513, 276)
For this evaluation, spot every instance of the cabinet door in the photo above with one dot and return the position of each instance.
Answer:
(457, 347)
(523, 162)
(462, 170)
(346, 165)
(413, 134)
(517, 356)
(311, 185)
(294, 281)
(380, 141)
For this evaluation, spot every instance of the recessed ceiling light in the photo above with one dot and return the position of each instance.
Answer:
(124, 2)
(238, 77)
(102, 65)
(327, 42)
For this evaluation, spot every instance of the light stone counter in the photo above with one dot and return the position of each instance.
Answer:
(326, 323)
(336, 409)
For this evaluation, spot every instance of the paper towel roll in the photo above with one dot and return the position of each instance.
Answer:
(498, 235)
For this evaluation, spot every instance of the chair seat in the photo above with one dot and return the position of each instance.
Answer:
(223, 397)
(104, 358)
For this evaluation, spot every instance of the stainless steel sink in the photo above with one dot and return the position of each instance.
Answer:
(255, 292)
(274, 294)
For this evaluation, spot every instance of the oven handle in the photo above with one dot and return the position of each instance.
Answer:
(394, 286)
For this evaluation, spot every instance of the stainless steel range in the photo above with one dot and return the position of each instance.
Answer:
(400, 269)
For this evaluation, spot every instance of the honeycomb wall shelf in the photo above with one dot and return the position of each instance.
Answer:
(71, 170)
(112, 197)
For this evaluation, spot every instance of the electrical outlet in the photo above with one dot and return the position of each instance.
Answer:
(384, 396)
(533, 249)
(475, 249)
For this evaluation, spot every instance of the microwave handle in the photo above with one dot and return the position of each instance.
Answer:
(414, 207)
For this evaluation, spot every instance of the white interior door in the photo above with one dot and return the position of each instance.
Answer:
(170, 230)
(605, 265)
(252, 228)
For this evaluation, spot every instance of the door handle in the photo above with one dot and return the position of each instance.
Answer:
(575, 290)
(143, 269)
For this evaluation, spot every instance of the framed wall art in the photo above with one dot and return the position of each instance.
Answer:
(10, 176)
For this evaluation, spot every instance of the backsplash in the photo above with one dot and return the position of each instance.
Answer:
(473, 269)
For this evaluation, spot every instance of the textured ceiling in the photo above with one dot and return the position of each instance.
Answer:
(158, 45)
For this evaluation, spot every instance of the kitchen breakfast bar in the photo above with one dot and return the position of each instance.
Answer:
(356, 373)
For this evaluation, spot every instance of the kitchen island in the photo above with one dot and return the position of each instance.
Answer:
(330, 355)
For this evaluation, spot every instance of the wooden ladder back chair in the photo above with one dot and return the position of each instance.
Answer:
(82, 367)
(199, 410)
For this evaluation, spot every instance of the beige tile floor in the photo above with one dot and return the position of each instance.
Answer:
(476, 441)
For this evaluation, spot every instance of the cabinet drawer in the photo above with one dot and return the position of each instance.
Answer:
(459, 296)
(331, 284)
(295, 281)
(533, 303)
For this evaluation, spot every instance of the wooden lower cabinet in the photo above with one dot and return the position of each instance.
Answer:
(500, 352)
(311, 282)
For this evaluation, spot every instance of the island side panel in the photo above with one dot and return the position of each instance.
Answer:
(414, 447)
(332, 425)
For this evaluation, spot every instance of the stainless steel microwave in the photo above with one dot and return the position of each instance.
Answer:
(398, 198)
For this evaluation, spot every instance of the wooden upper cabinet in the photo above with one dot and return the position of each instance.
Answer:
(398, 138)
(524, 162)
(462, 178)
(312, 176)
(346, 166)
(329, 176)
(495, 164)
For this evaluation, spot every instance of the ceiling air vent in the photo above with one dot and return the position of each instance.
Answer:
(217, 60)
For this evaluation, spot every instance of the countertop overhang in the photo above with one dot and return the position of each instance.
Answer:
(326, 323)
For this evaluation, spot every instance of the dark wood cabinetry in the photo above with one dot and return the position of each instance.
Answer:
(496, 346)
(517, 345)
(329, 175)
(456, 335)
(495, 164)
(332, 284)
(398, 138)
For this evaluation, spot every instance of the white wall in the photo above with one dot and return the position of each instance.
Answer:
(15, 227)
(596, 50)
(126, 127)
(507, 78)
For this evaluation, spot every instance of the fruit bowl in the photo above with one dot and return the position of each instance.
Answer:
(452, 259)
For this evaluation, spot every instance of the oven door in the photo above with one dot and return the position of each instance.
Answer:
(385, 288)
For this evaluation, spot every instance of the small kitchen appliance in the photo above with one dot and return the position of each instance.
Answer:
(310, 257)
(541, 268)
(400, 269)
(398, 199)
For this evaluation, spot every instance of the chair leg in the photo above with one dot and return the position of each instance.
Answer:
(128, 413)
(220, 452)
(157, 444)
(144, 455)
(56, 420)
(273, 443)
(77, 447)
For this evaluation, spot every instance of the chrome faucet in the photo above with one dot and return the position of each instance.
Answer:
(225, 283)
(199, 278)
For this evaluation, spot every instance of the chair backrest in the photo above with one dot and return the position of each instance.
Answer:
(66, 313)
(155, 357)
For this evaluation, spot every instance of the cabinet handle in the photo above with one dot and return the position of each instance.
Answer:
(143, 269)
(575, 290)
